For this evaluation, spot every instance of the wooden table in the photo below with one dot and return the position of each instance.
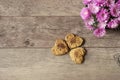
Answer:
(28, 29)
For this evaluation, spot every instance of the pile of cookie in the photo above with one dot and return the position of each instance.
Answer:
(72, 45)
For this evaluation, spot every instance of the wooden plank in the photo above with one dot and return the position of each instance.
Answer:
(16, 32)
(40, 64)
(40, 7)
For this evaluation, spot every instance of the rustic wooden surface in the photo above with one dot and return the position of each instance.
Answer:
(28, 29)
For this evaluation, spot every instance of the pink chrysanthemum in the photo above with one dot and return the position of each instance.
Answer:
(89, 27)
(118, 2)
(109, 3)
(115, 10)
(93, 8)
(86, 1)
(101, 14)
(99, 2)
(99, 32)
(113, 23)
(85, 13)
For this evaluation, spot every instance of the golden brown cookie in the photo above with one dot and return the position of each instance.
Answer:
(60, 47)
(77, 55)
(73, 41)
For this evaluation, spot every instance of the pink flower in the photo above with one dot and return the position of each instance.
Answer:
(115, 10)
(110, 2)
(102, 24)
(119, 19)
(99, 2)
(90, 21)
(89, 27)
(118, 2)
(103, 15)
(85, 13)
(99, 32)
(93, 8)
(113, 23)
(86, 1)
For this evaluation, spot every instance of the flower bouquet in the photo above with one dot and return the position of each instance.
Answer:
(101, 14)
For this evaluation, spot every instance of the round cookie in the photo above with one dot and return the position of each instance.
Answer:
(60, 47)
(77, 55)
(73, 41)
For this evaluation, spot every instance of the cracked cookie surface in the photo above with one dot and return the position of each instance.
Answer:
(77, 55)
(60, 47)
(73, 41)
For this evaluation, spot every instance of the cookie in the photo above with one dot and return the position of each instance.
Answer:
(77, 55)
(73, 41)
(60, 47)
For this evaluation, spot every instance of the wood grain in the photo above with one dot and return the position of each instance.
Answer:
(40, 64)
(17, 32)
(28, 29)
(40, 7)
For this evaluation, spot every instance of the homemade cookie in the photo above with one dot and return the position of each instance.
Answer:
(73, 41)
(77, 55)
(60, 47)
